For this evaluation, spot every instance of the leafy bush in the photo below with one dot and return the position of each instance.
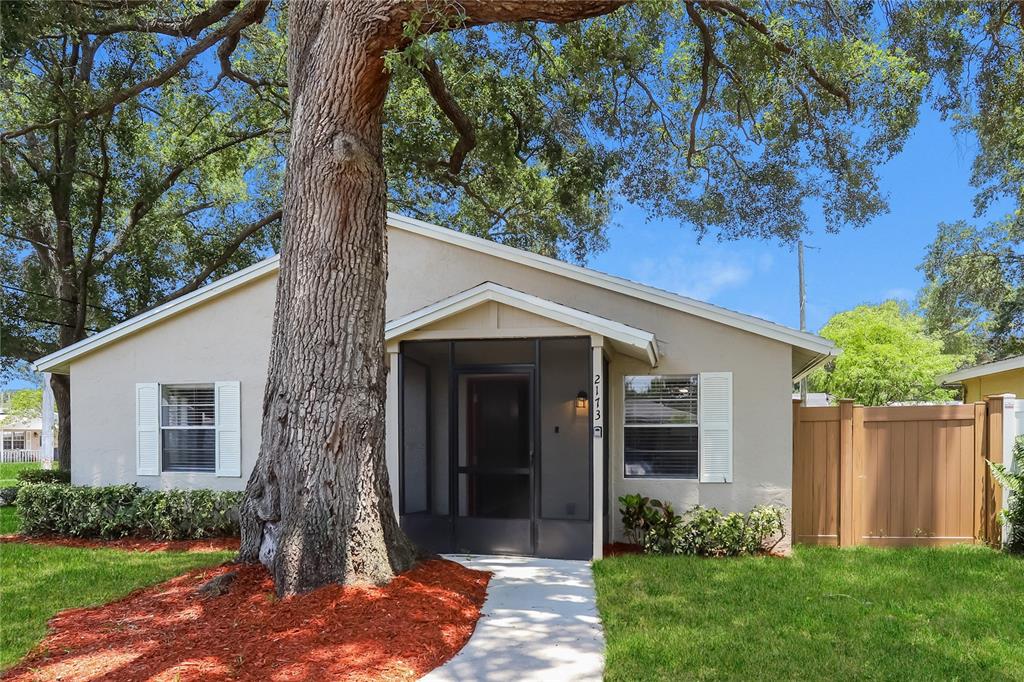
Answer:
(707, 532)
(44, 476)
(7, 496)
(702, 531)
(1013, 515)
(637, 516)
(663, 528)
(120, 510)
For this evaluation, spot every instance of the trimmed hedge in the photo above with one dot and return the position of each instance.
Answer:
(44, 476)
(118, 511)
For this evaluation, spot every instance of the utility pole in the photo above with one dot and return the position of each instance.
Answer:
(803, 310)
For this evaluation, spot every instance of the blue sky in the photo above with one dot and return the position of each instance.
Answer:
(926, 184)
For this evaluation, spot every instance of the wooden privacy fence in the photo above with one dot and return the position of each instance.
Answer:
(889, 476)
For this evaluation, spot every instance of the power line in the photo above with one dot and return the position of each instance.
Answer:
(51, 322)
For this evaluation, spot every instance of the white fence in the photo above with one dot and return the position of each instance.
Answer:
(21, 456)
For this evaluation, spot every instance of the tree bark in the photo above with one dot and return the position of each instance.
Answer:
(318, 505)
(61, 385)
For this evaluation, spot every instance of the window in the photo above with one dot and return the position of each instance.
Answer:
(188, 430)
(14, 440)
(661, 429)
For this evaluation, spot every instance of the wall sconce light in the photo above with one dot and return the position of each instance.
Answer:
(581, 401)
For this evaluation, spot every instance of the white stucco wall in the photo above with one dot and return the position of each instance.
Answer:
(228, 339)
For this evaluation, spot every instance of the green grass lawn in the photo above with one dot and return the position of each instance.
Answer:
(36, 582)
(823, 614)
(9, 472)
(9, 522)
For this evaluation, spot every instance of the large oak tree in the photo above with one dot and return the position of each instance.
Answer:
(754, 111)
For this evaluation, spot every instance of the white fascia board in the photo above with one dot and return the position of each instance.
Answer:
(996, 367)
(621, 285)
(58, 362)
(639, 339)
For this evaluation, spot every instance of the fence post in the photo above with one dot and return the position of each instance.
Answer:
(793, 487)
(980, 470)
(846, 533)
(1009, 443)
(993, 491)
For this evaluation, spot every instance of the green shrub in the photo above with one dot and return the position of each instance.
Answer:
(663, 528)
(707, 532)
(7, 495)
(702, 531)
(44, 476)
(120, 510)
(637, 517)
(1013, 515)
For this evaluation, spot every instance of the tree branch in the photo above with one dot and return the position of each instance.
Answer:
(221, 260)
(705, 70)
(431, 73)
(144, 204)
(744, 19)
(480, 12)
(251, 14)
(186, 27)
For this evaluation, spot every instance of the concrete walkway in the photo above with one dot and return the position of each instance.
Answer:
(539, 622)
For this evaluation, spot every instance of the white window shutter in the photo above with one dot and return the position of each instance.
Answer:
(228, 406)
(715, 406)
(147, 429)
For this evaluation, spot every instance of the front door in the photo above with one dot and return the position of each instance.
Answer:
(494, 465)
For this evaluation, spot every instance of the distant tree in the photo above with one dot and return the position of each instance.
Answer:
(128, 175)
(974, 298)
(887, 356)
(22, 405)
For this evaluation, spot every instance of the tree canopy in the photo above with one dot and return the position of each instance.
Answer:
(21, 405)
(974, 298)
(887, 356)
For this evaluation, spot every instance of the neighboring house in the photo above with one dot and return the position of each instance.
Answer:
(990, 378)
(19, 436)
(525, 395)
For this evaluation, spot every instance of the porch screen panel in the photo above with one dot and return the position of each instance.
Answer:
(425, 427)
(415, 435)
(565, 477)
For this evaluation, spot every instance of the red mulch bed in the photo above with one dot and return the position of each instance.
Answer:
(620, 548)
(133, 544)
(169, 632)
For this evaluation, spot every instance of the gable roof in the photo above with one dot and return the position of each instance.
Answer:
(983, 369)
(818, 347)
(636, 342)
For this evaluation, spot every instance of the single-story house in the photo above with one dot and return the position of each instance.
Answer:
(19, 434)
(525, 395)
(990, 378)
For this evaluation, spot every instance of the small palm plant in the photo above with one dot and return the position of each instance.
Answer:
(1013, 515)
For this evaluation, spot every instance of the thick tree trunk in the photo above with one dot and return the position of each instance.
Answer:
(318, 505)
(61, 385)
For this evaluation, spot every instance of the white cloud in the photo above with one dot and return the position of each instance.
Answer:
(697, 277)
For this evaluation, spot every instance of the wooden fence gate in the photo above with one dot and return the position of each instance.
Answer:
(896, 475)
